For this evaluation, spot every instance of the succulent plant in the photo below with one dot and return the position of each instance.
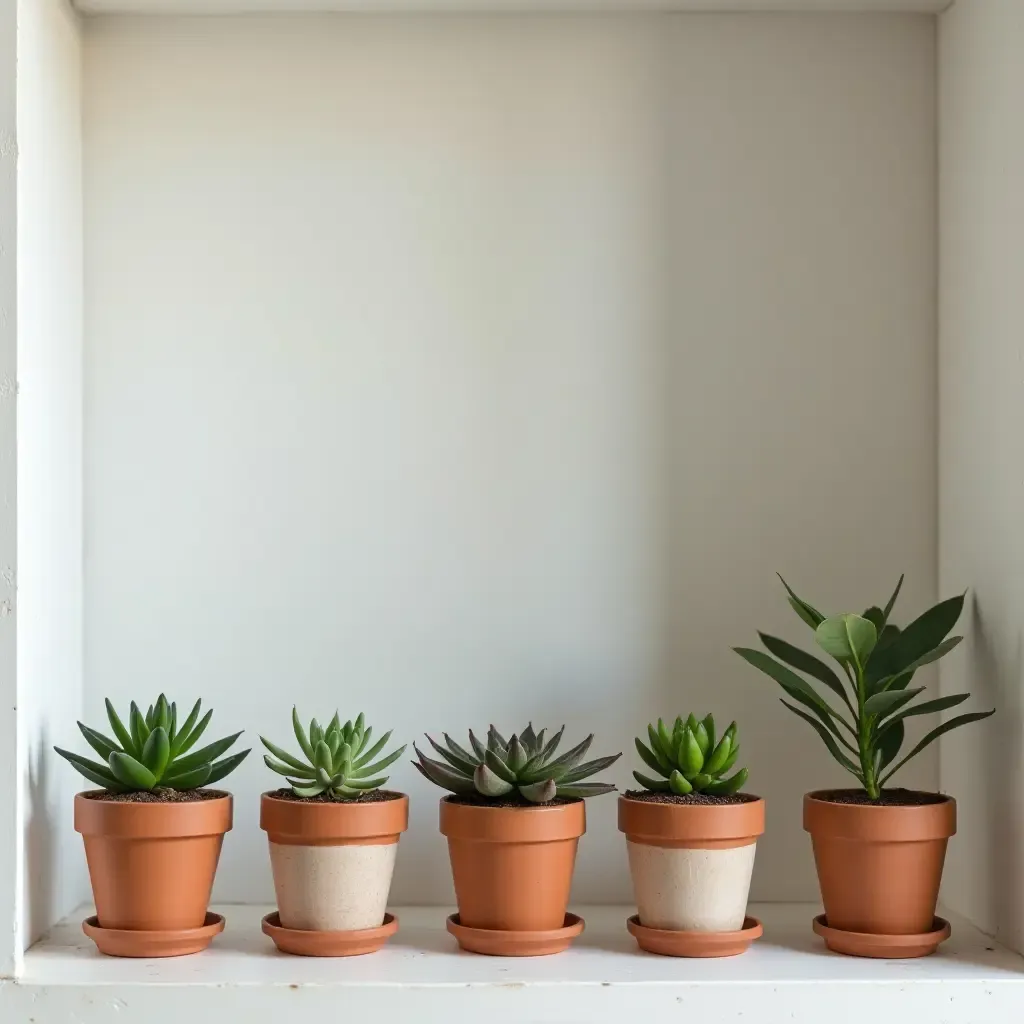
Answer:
(153, 753)
(337, 759)
(525, 764)
(878, 662)
(688, 758)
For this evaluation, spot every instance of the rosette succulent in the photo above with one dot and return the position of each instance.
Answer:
(689, 760)
(524, 764)
(153, 753)
(878, 661)
(338, 759)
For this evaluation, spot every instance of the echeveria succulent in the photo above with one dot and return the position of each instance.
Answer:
(338, 762)
(524, 764)
(878, 661)
(153, 753)
(689, 759)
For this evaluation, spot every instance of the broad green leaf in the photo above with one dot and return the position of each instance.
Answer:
(847, 638)
(679, 784)
(495, 741)
(923, 635)
(709, 728)
(806, 611)
(489, 783)
(691, 760)
(130, 772)
(796, 686)
(494, 762)
(876, 617)
(804, 662)
(539, 792)
(953, 723)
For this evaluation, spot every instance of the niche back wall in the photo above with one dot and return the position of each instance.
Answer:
(480, 369)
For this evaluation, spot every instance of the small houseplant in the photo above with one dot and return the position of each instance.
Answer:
(879, 851)
(333, 835)
(691, 836)
(513, 822)
(153, 830)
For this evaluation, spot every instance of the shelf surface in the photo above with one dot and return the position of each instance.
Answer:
(786, 976)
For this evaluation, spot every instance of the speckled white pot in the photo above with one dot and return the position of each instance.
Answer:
(332, 888)
(682, 889)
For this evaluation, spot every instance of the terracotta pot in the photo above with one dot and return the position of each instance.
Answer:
(879, 867)
(332, 862)
(512, 865)
(691, 863)
(152, 864)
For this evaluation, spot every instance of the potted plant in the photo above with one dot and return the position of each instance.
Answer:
(333, 837)
(691, 836)
(879, 851)
(153, 830)
(513, 821)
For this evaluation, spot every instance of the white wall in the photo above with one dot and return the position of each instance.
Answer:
(52, 871)
(469, 370)
(981, 454)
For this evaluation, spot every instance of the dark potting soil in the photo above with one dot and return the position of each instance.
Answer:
(649, 796)
(510, 800)
(888, 797)
(159, 796)
(371, 796)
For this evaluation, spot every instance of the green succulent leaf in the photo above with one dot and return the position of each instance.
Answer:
(157, 751)
(489, 783)
(649, 759)
(129, 772)
(847, 638)
(100, 743)
(658, 785)
(124, 737)
(807, 612)
(539, 792)
(678, 784)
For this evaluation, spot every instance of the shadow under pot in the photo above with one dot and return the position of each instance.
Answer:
(151, 865)
(691, 865)
(879, 868)
(332, 861)
(512, 868)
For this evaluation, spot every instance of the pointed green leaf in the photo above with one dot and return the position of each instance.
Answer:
(796, 686)
(656, 785)
(370, 754)
(927, 708)
(130, 772)
(478, 748)
(953, 723)
(826, 737)
(719, 756)
(923, 635)
(441, 775)
(489, 783)
(94, 772)
(124, 737)
(383, 763)
(157, 751)
(494, 762)
(691, 760)
(726, 787)
(588, 768)
(649, 759)
(539, 792)
(517, 756)
(100, 743)
(205, 755)
(189, 780)
(283, 755)
(678, 784)
(890, 700)
(585, 790)
(807, 663)
(892, 600)
(140, 731)
(183, 733)
(185, 743)
(806, 611)
(288, 769)
(464, 765)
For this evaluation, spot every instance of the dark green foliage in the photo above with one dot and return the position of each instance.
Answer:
(688, 758)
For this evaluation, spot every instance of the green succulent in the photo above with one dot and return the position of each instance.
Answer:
(689, 760)
(878, 661)
(337, 759)
(525, 764)
(153, 752)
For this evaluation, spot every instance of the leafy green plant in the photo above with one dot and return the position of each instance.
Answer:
(688, 758)
(524, 763)
(338, 761)
(878, 661)
(153, 753)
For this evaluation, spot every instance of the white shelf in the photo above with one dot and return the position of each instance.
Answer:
(786, 976)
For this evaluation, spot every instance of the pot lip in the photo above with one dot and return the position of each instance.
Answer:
(124, 819)
(484, 823)
(892, 823)
(286, 821)
(816, 797)
(547, 808)
(651, 821)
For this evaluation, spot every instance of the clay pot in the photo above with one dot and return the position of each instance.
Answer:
(512, 866)
(879, 867)
(332, 862)
(691, 864)
(152, 864)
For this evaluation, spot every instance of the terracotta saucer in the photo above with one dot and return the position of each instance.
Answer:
(311, 943)
(670, 943)
(494, 942)
(127, 942)
(883, 947)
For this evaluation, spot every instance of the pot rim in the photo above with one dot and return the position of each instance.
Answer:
(540, 824)
(701, 826)
(893, 823)
(117, 819)
(308, 823)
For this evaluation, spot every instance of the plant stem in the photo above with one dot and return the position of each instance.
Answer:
(867, 762)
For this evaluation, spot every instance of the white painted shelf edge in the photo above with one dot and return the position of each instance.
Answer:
(786, 976)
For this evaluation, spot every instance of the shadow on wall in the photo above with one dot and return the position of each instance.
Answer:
(41, 841)
(1001, 685)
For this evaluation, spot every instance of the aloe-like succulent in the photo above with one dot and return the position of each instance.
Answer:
(153, 753)
(338, 760)
(688, 758)
(525, 764)
(878, 661)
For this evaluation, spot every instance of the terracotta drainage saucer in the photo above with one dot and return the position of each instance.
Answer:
(313, 943)
(129, 942)
(495, 942)
(680, 943)
(883, 947)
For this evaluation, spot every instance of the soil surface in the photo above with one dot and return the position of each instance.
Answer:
(888, 798)
(510, 800)
(649, 796)
(370, 796)
(159, 796)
